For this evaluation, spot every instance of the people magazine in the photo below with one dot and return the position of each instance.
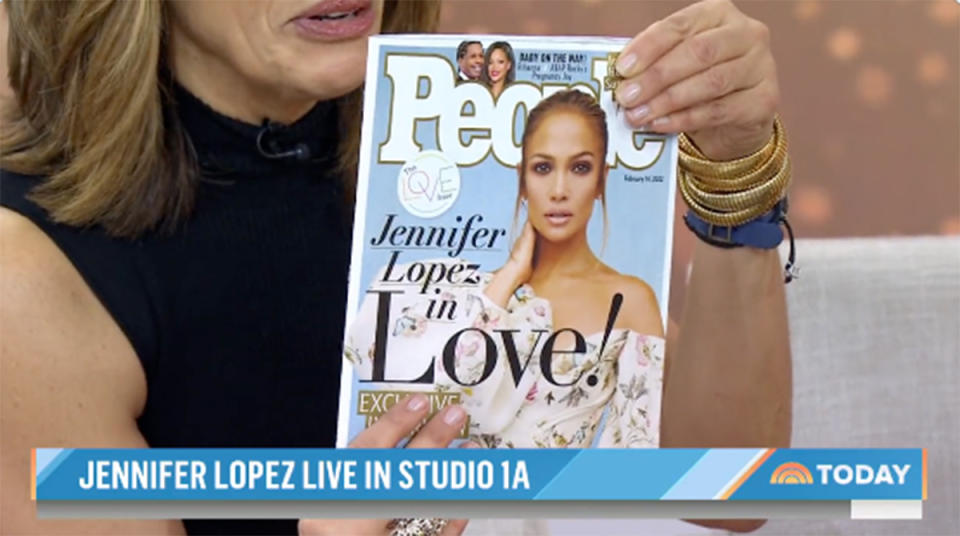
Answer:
(511, 243)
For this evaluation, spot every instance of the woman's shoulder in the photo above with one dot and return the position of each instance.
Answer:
(635, 286)
(624, 283)
(640, 310)
(35, 268)
(61, 264)
(27, 249)
(68, 373)
(48, 309)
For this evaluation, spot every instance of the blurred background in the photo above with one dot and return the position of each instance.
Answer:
(870, 97)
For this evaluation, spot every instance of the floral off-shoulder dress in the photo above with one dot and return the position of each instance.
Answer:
(616, 394)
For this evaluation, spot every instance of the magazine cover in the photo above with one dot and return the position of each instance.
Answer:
(512, 241)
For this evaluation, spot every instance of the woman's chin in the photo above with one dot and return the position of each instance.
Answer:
(328, 73)
(553, 235)
(322, 86)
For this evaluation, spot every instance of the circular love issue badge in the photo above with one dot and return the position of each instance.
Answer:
(428, 184)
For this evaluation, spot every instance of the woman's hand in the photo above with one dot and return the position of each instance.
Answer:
(393, 426)
(520, 263)
(706, 70)
(517, 269)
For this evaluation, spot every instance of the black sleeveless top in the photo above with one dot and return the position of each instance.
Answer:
(237, 317)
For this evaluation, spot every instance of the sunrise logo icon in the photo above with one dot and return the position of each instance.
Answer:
(791, 473)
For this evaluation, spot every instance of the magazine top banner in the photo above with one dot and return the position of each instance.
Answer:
(512, 243)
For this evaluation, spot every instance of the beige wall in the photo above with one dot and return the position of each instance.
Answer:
(870, 100)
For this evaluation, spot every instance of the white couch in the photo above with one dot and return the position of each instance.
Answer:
(875, 328)
(875, 332)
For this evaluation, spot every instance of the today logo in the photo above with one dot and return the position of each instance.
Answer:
(842, 474)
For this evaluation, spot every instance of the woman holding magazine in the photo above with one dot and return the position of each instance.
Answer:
(176, 190)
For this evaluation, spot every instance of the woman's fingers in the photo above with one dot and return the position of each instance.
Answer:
(527, 241)
(662, 36)
(521, 256)
(690, 73)
(442, 428)
(750, 108)
(395, 424)
(336, 527)
(715, 82)
(694, 55)
(404, 417)
(454, 527)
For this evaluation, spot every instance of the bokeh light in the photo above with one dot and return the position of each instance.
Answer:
(950, 226)
(811, 204)
(932, 68)
(874, 86)
(844, 44)
(946, 12)
(807, 9)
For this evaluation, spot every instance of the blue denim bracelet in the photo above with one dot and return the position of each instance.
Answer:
(764, 232)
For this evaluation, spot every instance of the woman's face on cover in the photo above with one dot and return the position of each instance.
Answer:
(285, 49)
(499, 65)
(562, 175)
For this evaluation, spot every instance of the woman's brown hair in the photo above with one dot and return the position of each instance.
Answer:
(92, 111)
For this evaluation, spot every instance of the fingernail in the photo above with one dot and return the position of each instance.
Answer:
(639, 113)
(630, 93)
(625, 62)
(416, 402)
(454, 415)
(661, 121)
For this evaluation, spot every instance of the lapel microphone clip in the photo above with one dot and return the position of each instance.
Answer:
(269, 149)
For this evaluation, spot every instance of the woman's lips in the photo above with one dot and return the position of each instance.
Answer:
(334, 21)
(558, 218)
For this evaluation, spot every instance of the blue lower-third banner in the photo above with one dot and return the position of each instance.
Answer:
(479, 474)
